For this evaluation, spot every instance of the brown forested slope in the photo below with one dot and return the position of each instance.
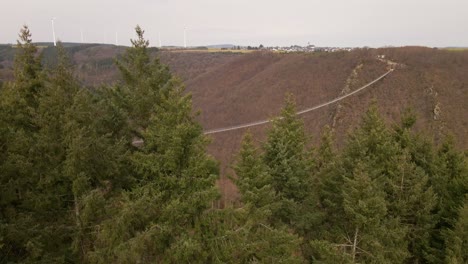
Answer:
(232, 88)
(252, 87)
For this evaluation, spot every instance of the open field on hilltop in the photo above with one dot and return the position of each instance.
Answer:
(457, 49)
(208, 51)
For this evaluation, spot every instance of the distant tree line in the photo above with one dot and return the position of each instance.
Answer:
(74, 188)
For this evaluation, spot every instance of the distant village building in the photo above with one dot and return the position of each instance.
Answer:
(297, 48)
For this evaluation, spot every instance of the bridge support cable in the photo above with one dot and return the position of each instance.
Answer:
(265, 121)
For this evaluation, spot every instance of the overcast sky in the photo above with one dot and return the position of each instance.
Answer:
(243, 22)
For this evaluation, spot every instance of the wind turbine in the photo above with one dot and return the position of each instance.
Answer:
(185, 37)
(116, 38)
(53, 31)
(159, 39)
(81, 33)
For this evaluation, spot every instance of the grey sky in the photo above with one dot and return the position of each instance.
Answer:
(244, 22)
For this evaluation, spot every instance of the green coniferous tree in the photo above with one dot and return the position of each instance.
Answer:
(94, 162)
(52, 189)
(18, 105)
(328, 181)
(372, 140)
(156, 220)
(289, 164)
(457, 238)
(145, 80)
(325, 153)
(253, 180)
(450, 182)
(367, 227)
(73, 132)
(245, 234)
(54, 136)
(412, 198)
(254, 238)
(362, 177)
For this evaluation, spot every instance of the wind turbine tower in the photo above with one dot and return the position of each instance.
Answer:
(159, 39)
(81, 33)
(116, 39)
(185, 37)
(53, 31)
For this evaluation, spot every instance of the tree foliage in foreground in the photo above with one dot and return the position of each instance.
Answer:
(378, 200)
(75, 188)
